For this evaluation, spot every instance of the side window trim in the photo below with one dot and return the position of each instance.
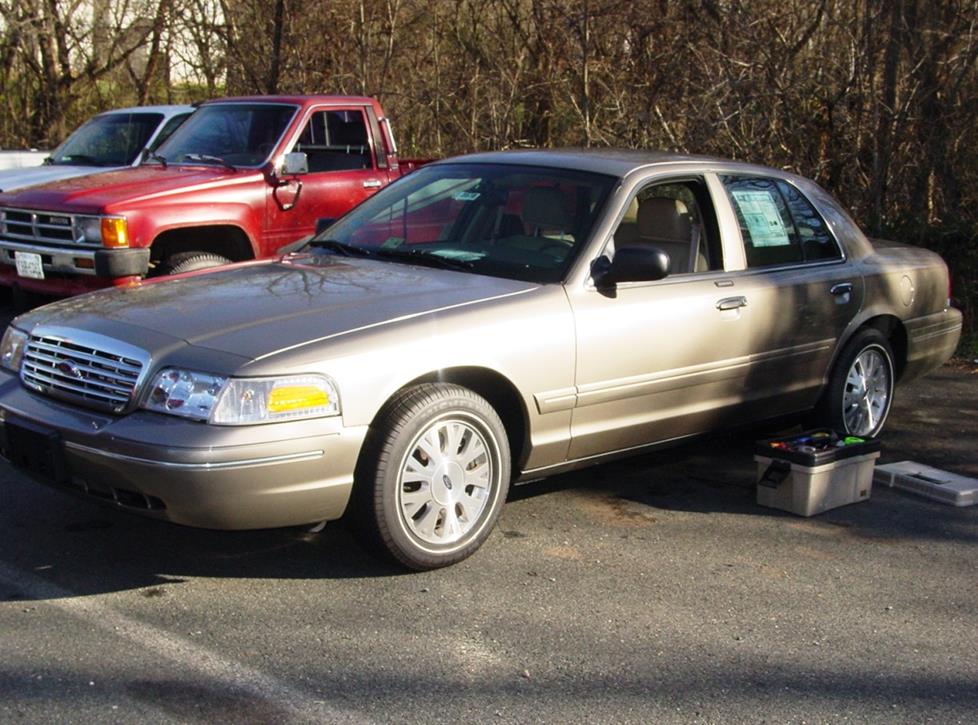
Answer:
(375, 138)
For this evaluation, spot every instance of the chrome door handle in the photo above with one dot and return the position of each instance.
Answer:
(731, 303)
(843, 288)
(372, 184)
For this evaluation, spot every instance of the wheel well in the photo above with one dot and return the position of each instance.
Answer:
(501, 395)
(226, 240)
(896, 333)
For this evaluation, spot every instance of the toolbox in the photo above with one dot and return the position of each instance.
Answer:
(814, 471)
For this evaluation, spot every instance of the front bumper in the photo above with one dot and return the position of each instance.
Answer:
(85, 261)
(218, 477)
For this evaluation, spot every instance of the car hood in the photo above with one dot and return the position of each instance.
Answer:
(99, 193)
(13, 179)
(255, 310)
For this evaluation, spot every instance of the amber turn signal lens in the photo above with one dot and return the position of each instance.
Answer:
(296, 397)
(114, 232)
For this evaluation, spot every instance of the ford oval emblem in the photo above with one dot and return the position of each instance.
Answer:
(69, 369)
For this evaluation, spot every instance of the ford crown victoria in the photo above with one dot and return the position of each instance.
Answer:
(487, 319)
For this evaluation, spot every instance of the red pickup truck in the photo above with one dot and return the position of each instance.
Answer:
(240, 179)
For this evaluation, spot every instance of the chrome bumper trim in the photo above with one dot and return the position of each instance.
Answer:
(62, 258)
(242, 463)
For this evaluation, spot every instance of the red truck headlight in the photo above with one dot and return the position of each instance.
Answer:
(109, 231)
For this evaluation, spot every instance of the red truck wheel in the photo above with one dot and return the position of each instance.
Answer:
(191, 262)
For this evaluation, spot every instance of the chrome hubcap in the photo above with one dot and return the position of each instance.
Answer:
(445, 482)
(867, 394)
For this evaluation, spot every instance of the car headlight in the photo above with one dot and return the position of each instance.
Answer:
(109, 231)
(241, 401)
(12, 348)
(187, 393)
(270, 400)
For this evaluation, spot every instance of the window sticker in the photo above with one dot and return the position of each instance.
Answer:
(465, 195)
(762, 218)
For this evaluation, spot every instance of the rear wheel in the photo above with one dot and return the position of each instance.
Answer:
(860, 389)
(190, 262)
(433, 476)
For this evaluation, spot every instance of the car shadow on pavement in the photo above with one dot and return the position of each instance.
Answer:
(717, 475)
(84, 548)
(87, 548)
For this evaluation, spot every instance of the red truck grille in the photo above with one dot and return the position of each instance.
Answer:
(40, 227)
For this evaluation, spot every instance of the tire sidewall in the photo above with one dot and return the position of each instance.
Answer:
(863, 342)
(473, 411)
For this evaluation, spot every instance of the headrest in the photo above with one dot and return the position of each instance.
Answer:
(546, 208)
(663, 218)
(631, 213)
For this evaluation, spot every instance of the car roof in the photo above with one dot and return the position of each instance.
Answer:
(614, 162)
(297, 100)
(166, 110)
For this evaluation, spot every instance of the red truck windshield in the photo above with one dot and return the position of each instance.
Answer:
(233, 134)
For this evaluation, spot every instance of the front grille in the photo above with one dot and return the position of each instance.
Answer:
(41, 227)
(93, 377)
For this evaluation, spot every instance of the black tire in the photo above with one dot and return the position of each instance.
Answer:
(868, 344)
(191, 262)
(395, 525)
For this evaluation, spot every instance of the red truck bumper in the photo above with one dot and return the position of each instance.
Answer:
(58, 285)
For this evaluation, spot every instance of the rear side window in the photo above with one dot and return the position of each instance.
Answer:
(336, 141)
(779, 225)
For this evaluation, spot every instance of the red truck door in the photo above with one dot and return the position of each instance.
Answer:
(343, 171)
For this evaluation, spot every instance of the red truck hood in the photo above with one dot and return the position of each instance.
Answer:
(104, 193)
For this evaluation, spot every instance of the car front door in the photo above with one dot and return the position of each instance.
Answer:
(342, 172)
(665, 359)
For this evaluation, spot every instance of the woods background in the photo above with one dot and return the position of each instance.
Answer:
(875, 99)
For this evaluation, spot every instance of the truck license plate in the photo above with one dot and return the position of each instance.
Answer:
(29, 265)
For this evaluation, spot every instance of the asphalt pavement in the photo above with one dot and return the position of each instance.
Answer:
(650, 590)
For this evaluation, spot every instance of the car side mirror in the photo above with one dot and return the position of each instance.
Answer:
(295, 163)
(631, 264)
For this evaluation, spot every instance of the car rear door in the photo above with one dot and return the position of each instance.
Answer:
(800, 293)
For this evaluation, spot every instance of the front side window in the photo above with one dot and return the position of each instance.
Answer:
(779, 226)
(676, 217)
(517, 222)
(110, 140)
(233, 134)
(335, 141)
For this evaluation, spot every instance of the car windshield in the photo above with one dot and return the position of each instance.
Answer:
(112, 139)
(229, 134)
(517, 222)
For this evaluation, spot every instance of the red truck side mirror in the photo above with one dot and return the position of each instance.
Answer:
(295, 163)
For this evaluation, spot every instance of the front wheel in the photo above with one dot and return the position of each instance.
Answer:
(860, 388)
(433, 476)
(190, 262)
